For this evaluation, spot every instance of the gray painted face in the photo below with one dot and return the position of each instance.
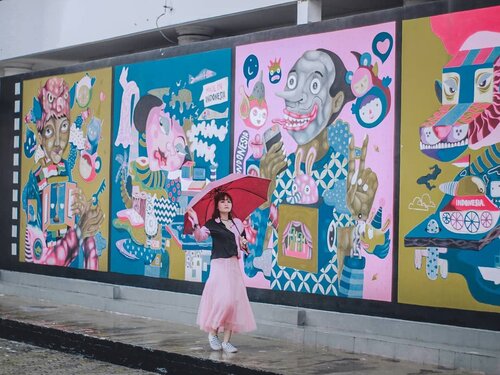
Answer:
(307, 98)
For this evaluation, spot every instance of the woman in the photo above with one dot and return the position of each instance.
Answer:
(224, 302)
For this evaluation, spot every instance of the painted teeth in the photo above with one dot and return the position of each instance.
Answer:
(441, 145)
(296, 122)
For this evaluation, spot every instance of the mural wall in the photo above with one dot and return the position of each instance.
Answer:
(450, 156)
(65, 169)
(111, 157)
(171, 137)
(316, 115)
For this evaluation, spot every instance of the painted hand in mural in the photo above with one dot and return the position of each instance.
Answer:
(271, 163)
(91, 217)
(362, 183)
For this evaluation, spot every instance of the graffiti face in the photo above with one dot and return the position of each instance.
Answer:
(307, 98)
(54, 100)
(258, 114)
(470, 101)
(361, 81)
(371, 110)
(274, 71)
(253, 108)
(166, 141)
(54, 138)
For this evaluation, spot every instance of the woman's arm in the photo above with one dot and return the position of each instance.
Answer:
(200, 233)
(242, 236)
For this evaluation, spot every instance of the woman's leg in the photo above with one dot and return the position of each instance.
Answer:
(227, 335)
(226, 345)
(213, 340)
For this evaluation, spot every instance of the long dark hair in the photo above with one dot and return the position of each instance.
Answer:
(221, 195)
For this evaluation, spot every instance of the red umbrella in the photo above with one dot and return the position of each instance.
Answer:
(248, 193)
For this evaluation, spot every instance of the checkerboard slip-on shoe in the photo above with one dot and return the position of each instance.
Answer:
(229, 348)
(214, 342)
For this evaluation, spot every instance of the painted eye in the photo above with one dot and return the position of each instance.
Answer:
(278, 71)
(164, 125)
(483, 81)
(315, 86)
(180, 145)
(50, 97)
(307, 190)
(292, 81)
(48, 132)
(64, 126)
(450, 87)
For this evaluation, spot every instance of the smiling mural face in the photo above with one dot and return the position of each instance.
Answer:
(309, 105)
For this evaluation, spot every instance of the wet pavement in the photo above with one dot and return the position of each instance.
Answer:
(164, 347)
(19, 358)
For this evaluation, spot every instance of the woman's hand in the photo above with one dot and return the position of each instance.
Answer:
(193, 217)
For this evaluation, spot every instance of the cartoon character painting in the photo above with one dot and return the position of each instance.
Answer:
(373, 95)
(170, 135)
(458, 239)
(62, 225)
(253, 108)
(320, 168)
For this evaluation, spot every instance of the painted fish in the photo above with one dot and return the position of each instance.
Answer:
(202, 75)
(210, 114)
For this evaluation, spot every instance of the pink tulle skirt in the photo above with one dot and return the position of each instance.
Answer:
(224, 302)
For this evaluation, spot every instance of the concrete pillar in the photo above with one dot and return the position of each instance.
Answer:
(308, 11)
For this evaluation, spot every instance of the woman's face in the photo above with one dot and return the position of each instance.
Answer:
(225, 205)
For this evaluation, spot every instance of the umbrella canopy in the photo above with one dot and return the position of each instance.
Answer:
(248, 193)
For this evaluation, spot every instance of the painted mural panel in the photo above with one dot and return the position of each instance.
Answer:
(65, 169)
(171, 137)
(450, 156)
(316, 115)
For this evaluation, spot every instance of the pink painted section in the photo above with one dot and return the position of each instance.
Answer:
(458, 59)
(381, 138)
(454, 29)
(482, 56)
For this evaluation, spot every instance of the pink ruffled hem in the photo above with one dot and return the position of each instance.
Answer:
(224, 302)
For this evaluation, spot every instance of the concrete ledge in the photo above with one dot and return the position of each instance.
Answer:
(425, 343)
